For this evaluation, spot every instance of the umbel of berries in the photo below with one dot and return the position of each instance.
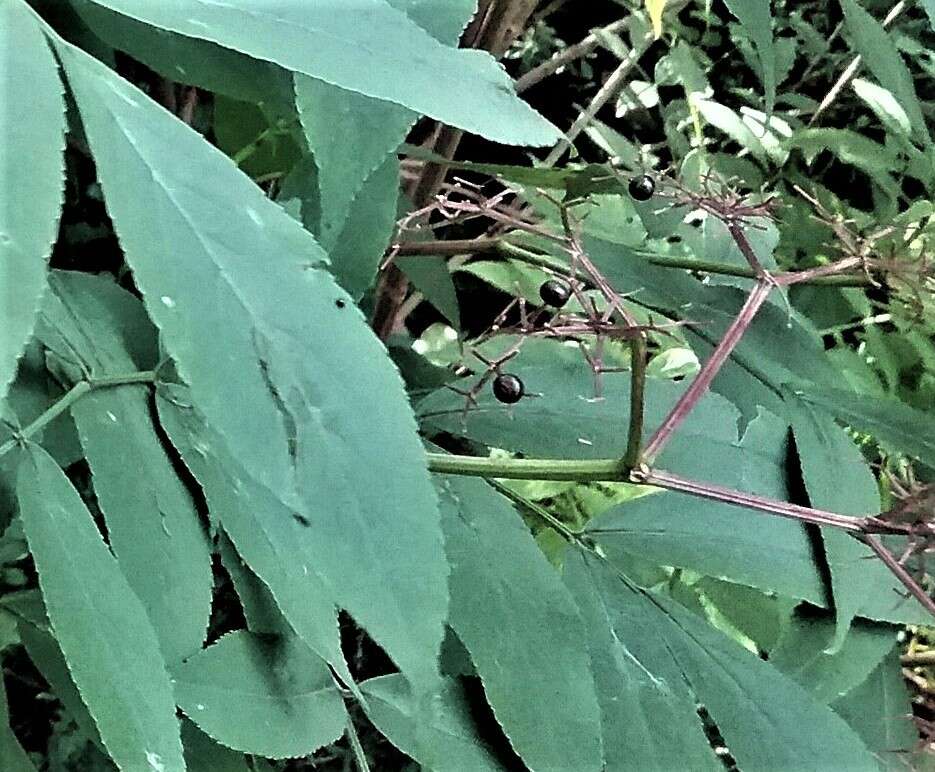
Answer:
(642, 188)
(555, 293)
(508, 388)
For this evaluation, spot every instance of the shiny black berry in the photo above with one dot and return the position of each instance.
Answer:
(642, 188)
(555, 293)
(508, 388)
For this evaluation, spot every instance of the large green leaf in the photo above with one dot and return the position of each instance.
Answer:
(152, 524)
(757, 22)
(187, 60)
(673, 529)
(233, 284)
(837, 478)
(32, 139)
(648, 718)
(265, 533)
(759, 711)
(452, 734)
(373, 49)
(803, 652)
(521, 627)
(101, 626)
(270, 697)
(881, 56)
(890, 421)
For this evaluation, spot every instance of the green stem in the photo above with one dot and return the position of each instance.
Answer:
(637, 392)
(569, 470)
(69, 398)
(515, 252)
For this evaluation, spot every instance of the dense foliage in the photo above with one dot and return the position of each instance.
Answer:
(355, 414)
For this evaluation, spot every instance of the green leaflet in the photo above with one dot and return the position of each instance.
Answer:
(270, 697)
(232, 282)
(452, 735)
(12, 756)
(524, 634)
(759, 711)
(755, 17)
(101, 626)
(352, 138)
(46, 655)
(264, 532)
(152, 524)
(838, 479)
(673, 529)
(358, 251)
(879, 710)
(389, 57)
(803, 653)
(648, 717)
(881, 56)
(872, 158)
(890, 421)
(32, 138)
(186, 60)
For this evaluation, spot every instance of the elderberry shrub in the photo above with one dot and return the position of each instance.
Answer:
(555, 293)
(508, 388)
(642, 188)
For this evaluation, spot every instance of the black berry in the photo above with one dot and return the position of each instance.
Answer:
(555, 293)
(508, 389)
(642, 188)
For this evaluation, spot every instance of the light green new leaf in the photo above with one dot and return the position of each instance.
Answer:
(152, 524)
(880, 711)
(715, 539)
(881, 56)
(803, 653)
(101, 626)
(759, 711)
(521, 627)
(851, 148)
(32, 140)
(270, 697)
(372, 48)
(929, 6)
(452, 734)
(233, 284)
(757, 22)
(884, 105)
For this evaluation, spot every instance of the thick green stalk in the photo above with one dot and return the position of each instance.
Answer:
(573, 470)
